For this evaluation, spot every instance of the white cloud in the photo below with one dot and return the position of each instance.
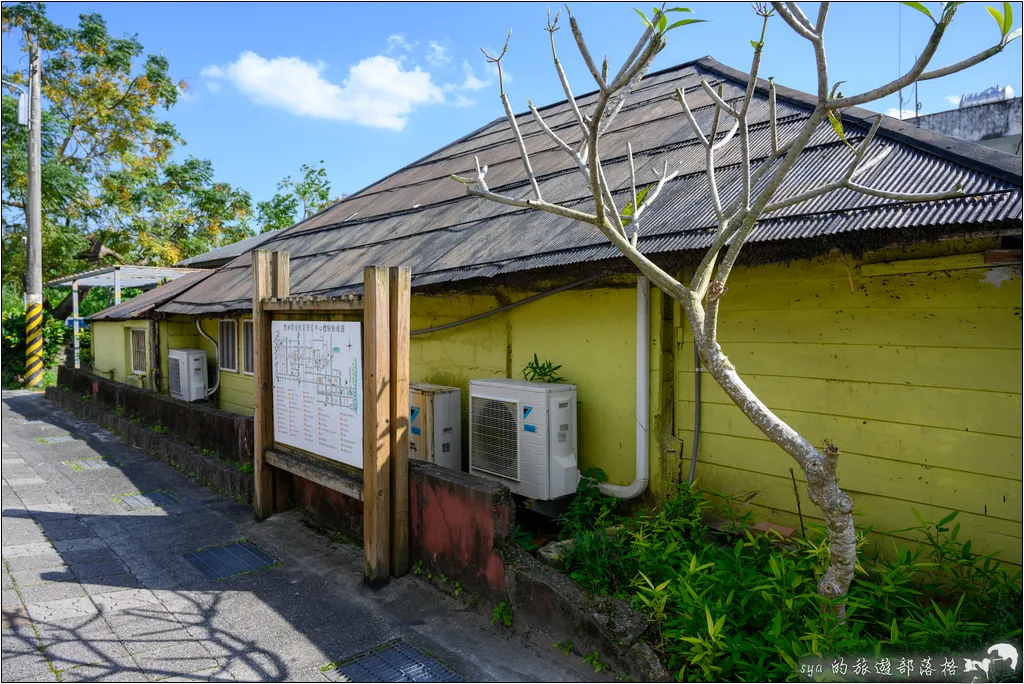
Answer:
(437, 54)
(894, 112)
(398, 41)
(378, 91)
(471, 82)
(953, 100)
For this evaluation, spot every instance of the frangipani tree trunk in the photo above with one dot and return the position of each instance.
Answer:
(736, 219)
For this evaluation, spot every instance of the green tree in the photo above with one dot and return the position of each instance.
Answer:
(305, 197)
(110, 191)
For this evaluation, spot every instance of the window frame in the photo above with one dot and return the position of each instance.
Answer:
(221, 346)
(249, 359)
(132, 349)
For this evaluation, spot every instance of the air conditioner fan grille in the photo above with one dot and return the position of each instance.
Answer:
(494, 437)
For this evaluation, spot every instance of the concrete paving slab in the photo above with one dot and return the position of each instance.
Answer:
(175, 661)
(51, 591)
(159, 618)
(61, 609)
(31, 577)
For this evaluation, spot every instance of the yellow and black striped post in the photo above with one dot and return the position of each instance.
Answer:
(34, 343)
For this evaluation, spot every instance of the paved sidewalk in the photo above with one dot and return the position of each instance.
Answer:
(96, 587)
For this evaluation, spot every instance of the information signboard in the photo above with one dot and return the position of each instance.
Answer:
(318, 379)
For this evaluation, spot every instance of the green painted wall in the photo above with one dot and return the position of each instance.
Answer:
(915, 375)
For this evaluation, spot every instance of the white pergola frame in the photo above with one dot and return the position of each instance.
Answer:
(115, 277)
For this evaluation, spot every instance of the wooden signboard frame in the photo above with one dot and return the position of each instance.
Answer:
(384, 483)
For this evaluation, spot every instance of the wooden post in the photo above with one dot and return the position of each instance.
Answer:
(263, 390)
(400, 296)
(376, 427)
(280, 285)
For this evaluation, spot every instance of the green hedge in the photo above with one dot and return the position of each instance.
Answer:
(55, 336)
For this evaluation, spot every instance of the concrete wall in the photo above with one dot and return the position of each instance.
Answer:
(228, 435)
(996, 124)
(458, 525)
(915, 375)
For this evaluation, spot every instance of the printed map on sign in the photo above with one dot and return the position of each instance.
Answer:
(318, 388)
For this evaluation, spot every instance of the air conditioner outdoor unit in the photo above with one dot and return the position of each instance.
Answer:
(186, 374)
(524, 435)
(435, 424)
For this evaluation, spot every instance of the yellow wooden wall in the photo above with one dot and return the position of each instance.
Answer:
(590, 332)
(236, 388)
(110, 345)
(915, 375)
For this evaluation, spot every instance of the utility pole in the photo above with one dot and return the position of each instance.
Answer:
(34, 220)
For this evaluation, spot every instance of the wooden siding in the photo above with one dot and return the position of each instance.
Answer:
(915, 375)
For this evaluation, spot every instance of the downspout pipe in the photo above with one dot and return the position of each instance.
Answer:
(643, 396)
(216, 355)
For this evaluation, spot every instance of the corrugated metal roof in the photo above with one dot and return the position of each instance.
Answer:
(221, 255)
(418, 216)
(139, 306)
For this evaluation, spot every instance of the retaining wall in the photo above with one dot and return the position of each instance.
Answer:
(227, 434)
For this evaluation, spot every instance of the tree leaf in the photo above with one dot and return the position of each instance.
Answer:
(920, 8)
(998, 17)
(1014, 36)
(1007, 17)
(677, 9)
(647, 22)
(684, 22)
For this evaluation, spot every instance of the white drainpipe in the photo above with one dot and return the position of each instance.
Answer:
(209, 392)
(643, 381)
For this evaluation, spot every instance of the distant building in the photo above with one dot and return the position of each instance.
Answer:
(991, 118)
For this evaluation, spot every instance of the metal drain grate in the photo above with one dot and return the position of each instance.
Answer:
(141, 500)
(91, 464)
(236, 558)
(394, 661)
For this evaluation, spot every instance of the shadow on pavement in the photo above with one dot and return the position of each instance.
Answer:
(115, 598)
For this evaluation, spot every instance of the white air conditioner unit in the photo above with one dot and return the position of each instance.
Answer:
(524, 435)
(186, 374)
(435, 424)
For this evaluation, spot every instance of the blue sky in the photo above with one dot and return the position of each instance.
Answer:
(368, 88)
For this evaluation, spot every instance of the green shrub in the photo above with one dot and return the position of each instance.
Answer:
(542, 371)
(748, 609)
(13, 330)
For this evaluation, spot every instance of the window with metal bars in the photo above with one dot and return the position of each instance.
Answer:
(138, 351)
(247, 341)
(227, 345)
